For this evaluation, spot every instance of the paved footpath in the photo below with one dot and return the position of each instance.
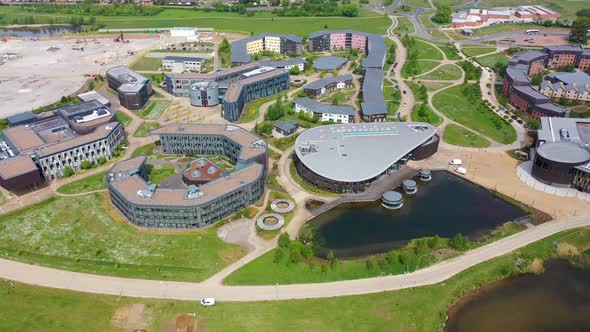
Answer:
(47, 277)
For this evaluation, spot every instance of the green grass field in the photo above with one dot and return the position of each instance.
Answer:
(418, 3)
(426, 51)
(85, 234)
(444, 72)
(422, 67)
(427, 115)
(452, 103)
(123, 118)
(475, 51)
(144, 129)
(161, 172)
(147, 64)
(90, 183)
(456, 135)
(492, 59)
(450, 52)
(433, 86)
(413, 309)
(153, 109)
(425, 19)
(404, 25)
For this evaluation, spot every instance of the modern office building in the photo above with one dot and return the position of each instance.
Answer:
(347, 158)
(373, 106)
(329, 63)
(255, 84)
(324, 112)
(517, 84)
(287, 64)
(179, 84)
(243, 49)
(286, 128)
(181, 64)
(40, 151)
(562, 157)
(204, 94)
(133, 89)
(191, 206)
(328, 84)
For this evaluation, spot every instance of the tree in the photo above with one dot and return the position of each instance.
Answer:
(294, 256)
(349, 11)
(295, 70)
(307, 251)
(459, 242)
(68, 171)
(275, 112)
(579, 31)
(370, 263)
(442, 15)
(284, 240)
(331, 255)
(278, 257)
(102, 160)
(434, 242)
(86, 164)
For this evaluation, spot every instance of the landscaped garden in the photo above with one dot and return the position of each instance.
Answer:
(444, 72)
(423, 113)
(85, 234)
(457, 135)
(145, 128)
(475, 51)
(462, 103)
(157, 173)
(153, 109)
(147, 64)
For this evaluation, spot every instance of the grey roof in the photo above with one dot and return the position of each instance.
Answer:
(392, 196)
(130, 80)
(564, 152)
(282, 64)
(287, 125)
(318, 107)
(578, 81)
(551, 130)
(552, 109)
(238, 47)
(563, 48)
(182, 58)
(531, 94)
(93, 95)
(527, 56)
(21, 117)
(359, 152)
(329, 62)
(373, 103)
(322, 82)
(517, 76)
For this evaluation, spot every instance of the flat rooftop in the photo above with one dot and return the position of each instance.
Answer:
(358, 152)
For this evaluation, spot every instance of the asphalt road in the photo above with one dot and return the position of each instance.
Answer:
(42, 276)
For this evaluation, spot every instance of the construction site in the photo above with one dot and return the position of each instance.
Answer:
(38, 71)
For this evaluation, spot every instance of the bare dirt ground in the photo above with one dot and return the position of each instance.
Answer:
(541, 40)
(44, 70)
(131, 318)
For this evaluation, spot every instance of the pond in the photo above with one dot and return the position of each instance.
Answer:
(38, 32)
(445, 206)
(557, 300)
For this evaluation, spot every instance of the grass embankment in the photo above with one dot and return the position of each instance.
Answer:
(85, 234)
(404, 25)
(144, 129)
(423, 113)
(462, 103)
(444, 72)
(433, 86)
(475, 51)
(123, 118)
(419, 308)
(91, 183)
(460, 136)
(252, 109)
(492, 59)
(422, 57)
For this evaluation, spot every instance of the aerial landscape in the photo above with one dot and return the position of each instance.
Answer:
(295, 165)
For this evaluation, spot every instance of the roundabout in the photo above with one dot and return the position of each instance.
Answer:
(270, 221)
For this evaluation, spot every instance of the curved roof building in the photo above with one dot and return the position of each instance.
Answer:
(348, 157)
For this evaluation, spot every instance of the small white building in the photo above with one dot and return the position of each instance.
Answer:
(333, 113)
(179, 64)
(188, 34)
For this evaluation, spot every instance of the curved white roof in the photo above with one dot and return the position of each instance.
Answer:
(358, 152)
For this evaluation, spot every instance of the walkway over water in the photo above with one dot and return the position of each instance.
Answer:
(373, 192)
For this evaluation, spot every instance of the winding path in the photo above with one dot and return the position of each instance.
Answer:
(83, 282)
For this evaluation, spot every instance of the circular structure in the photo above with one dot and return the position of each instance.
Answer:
(349, 157)
(392, 200)
(425, 175)
(410, 186)
(270, 221)
(555, 162)
(298, 81)
(282, 205)
(204, 94)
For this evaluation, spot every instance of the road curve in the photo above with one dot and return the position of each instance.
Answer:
(47, 277)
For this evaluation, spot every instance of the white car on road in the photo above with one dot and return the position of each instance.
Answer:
(461, 170)
(456, 162)
(207, 302)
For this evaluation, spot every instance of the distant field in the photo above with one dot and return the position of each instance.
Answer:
(565, 7)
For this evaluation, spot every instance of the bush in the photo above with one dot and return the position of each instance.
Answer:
(459, 242)
(102, 160)
(278, 257)
(294, 256)
(68, 171)
(86, 164)
(284, 240)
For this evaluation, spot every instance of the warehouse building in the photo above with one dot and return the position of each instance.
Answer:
(192, 206)
(133, 89)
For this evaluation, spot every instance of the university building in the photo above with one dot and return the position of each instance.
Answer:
(133, 89)
(243, 49)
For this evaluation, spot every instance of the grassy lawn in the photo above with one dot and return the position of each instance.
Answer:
(492, 59)
(90, 183)
(144, 129)
(433, 86)
(418, 3)
(404, 25)
(426, 51)
(422, 67)
(450, 52)
(161, 172)
(252, 109)
(146, 150)
(147, 64)
(425, 19)
(444, 72)
(420, 309)
(123, 118)
(454, 104)
(392, 107)
(153, 109)
(474, 51)
(89, 236)
(425, 114)
(456, 135)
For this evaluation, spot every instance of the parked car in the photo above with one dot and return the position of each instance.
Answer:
(526, 125)
(520, 121)
(405, 104)
(461, 170)
(513, 117)
(455, 162)
(404, 92)
(489, 93)
(207, 302)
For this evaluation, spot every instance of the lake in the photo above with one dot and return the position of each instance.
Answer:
(557, 300)
(445, 206)
(38, 32)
